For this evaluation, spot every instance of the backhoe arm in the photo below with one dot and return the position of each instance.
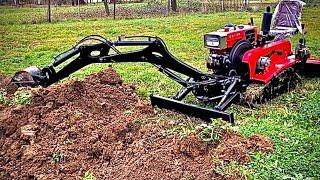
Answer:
(218, 90)
(153, 51)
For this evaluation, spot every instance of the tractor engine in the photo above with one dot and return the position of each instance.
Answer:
(227, 46)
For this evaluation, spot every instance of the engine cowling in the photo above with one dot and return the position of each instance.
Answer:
(220, 44)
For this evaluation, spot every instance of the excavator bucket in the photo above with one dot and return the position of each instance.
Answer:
(26, 77)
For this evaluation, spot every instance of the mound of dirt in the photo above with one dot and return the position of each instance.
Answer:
(234, 147)
(100, 125)
(3, 80)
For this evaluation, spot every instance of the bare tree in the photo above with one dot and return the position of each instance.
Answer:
(106, 7)
(49, 11)
(174, 5)
(114, 9)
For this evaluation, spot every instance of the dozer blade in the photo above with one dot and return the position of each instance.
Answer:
(190, 109)
(312, 68)
(26, 77)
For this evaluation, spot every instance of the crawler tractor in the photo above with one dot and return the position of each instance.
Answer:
(245, 65)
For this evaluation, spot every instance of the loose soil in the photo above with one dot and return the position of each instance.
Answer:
(100, 125)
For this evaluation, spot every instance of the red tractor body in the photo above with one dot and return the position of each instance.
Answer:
(314, 62)
(267, 61)
(225, 38)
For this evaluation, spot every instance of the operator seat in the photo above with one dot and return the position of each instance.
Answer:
(286, 19)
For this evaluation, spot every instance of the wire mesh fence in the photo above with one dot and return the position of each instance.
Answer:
(88, 9)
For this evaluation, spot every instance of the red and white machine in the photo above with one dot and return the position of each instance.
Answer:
(263, 59)
(245, 65)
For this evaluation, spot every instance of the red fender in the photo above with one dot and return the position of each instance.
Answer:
(278, 63)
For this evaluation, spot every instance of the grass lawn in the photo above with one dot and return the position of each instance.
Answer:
(292, 121)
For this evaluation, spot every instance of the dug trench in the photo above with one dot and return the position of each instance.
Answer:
(99, 127)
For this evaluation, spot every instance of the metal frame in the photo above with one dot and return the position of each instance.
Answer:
(215, 90)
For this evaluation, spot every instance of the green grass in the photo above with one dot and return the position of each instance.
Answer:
(88, 176)
(292, 121)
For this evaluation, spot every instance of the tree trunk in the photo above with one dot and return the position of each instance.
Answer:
(79, 9)
(49, 11)
(174, 5)
(114, 9)
(106, 7)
